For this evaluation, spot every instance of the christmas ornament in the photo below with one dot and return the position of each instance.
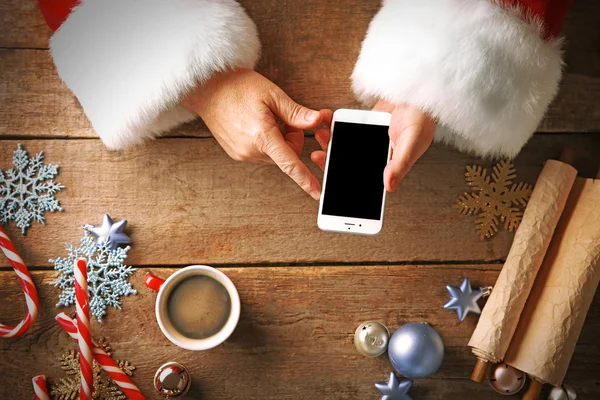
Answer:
(31, 296)
(492, 199)
(371, 338)
(104, 388)
(102, 357)
(107, 275)
(111, 233)
(393, 389)
(564, 392)
(464, 299)
(27, 190)
(416, 350)
(505, 379)
(172, 380)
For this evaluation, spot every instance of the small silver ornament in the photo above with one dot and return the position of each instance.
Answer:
(172, 380)
(416, 350)
(393, 389)
(564, 392)
(464, 299)
(110, 231)
(505, 379)
(371, 338)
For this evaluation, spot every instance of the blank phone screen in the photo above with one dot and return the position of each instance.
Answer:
(358, 156)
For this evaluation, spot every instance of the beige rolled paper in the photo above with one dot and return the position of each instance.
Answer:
(551, 322)
(501, 314)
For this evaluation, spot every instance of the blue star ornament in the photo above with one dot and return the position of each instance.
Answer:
(393, 389)
(110, 232)
(464, 299)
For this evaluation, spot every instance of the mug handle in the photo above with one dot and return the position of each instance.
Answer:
(153, 282)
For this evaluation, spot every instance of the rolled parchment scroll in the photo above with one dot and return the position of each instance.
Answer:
(551, 321)
(503, 309)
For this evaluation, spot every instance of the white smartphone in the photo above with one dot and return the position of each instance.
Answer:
(353, 196)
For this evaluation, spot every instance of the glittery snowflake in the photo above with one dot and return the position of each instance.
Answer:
(104, 387)
(496, 200)
(107, 275)
(27, 190)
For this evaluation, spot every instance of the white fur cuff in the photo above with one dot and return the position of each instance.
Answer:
(129, 62)
(484, 72)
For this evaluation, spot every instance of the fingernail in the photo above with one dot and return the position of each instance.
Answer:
(311, 115)
(393, 184)
(315, 193)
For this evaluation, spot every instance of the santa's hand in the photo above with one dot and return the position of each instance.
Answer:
(241, 108)
(411, 133)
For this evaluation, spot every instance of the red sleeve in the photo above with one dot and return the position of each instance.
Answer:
(552, 13)
(55, 12)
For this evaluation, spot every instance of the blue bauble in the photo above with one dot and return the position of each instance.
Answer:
(416, 350)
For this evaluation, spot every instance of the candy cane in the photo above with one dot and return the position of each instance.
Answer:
(39, 387)
(31, 296)
(104, 360)
(86, 360)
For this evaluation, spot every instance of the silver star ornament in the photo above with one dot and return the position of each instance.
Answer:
(393, 389)
(464, 299)
(109, 231)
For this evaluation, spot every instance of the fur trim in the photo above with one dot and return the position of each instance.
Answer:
(484, 72)
(130, 62)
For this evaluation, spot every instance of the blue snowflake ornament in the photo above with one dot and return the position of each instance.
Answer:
(107, 275)
(27, 190)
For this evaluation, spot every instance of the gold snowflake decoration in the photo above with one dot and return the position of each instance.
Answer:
(104, 387)
(494, 201)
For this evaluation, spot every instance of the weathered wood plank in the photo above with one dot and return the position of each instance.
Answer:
(307, 55)
(294, 340)
(187, 202)
(22, 25)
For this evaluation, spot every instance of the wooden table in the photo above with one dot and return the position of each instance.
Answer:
(303, 291)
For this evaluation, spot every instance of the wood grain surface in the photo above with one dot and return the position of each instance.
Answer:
(303, 291)
(186, 201)
(295, 336)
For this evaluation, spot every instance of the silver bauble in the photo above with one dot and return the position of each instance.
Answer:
(416, 350)
(172, 380)
(371, 338)
(564, 392)
(505, 379)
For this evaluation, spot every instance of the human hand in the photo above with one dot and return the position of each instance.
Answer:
(411, 132)
(242, 108)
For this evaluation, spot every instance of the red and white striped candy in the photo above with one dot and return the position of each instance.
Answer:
(86, 361)
(39, 387)
(31, 296)
(104, 360)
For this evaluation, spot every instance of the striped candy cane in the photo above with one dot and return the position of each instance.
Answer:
(39, 387)
(86, 360)
(104, 360)
(31, 296)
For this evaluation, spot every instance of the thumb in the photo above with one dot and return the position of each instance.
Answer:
(292, 113)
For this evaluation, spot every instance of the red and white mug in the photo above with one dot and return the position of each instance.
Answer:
(164, 289)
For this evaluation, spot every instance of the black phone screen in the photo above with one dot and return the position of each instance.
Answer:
(358, 156)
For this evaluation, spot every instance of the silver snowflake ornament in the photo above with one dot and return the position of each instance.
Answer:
(107, 275)
(464, 299)
(110, 232)
(27, 190)
(394, 389)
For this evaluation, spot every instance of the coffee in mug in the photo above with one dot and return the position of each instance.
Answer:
(198, 307)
